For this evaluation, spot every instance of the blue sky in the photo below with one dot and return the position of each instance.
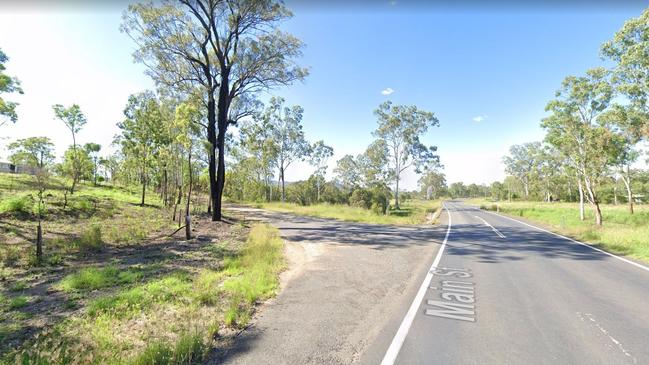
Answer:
(496, 66)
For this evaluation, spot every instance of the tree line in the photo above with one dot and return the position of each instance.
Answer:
(595, 124)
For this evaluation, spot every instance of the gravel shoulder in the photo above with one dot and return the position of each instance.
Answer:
(346, 284)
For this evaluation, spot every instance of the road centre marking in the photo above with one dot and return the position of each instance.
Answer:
(395, 346)
(492, 227)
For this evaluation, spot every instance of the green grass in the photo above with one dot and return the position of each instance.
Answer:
(93, 278)
(622, 233)
(256, 269)
(19, 205)
(175, 287)
(411, 212)
(18, 302)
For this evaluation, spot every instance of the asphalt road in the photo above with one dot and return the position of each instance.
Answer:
(506, 293)
(500, 292)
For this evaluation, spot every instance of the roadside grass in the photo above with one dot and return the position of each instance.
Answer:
(622, 233)
(410, 212)
(93, 278)
(93, 217)
(254, 274)
(154, 315)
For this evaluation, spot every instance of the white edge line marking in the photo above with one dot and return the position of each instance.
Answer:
(392, 352)
(575, 241)
(492, 227)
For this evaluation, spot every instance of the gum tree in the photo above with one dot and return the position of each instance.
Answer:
(141, 133)
(287, 136)
(576, 130)
(74, 120)
(401, 127)
(320, 154)
(629, 49)
(93, 149)
(229, 49)
(36, 152)
(8, 85)
(523, 163)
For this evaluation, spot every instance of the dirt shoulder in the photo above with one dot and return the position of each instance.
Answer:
(346, 285)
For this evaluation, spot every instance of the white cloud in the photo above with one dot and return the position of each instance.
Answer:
(387, 91)
(479, 118)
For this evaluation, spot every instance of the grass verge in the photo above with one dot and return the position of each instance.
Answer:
(410, 212)
(138, 315)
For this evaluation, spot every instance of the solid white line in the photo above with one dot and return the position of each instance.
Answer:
(492, 227)
(575, 241)
(391, 355)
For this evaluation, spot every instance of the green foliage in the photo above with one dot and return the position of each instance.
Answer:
(91, 239)
(361, 198)
(19, 205)
(18, 302)
(32, 151)
(8, 84)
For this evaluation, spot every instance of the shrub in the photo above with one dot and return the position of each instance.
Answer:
(10, 255)
(18, 205)
(91, 239)
(18, 302)
(380, 198)
(361, 198)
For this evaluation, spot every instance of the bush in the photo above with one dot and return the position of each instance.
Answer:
(18, 206)
(361, 198)
(380, 198)
(332, 194)
(10, 255)
(91, 239)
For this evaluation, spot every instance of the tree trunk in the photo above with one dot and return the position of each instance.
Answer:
(592, 197)
(396, 193)
(143, 191)
(39, 243)
(581, 199)
(222, 123)
(75, 164)
(629, 193)
(211, 138)
(281, 177)
(318, 188)
(527, 190)
(220, 175)
(188, 229)
(615, 193)
(165, 182)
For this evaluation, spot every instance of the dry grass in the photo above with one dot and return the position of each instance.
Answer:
(411, 212)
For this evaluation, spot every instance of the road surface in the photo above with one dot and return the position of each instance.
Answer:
(507, 293)
(499, 292)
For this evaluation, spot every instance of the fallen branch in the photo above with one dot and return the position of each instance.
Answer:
(176, 231)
